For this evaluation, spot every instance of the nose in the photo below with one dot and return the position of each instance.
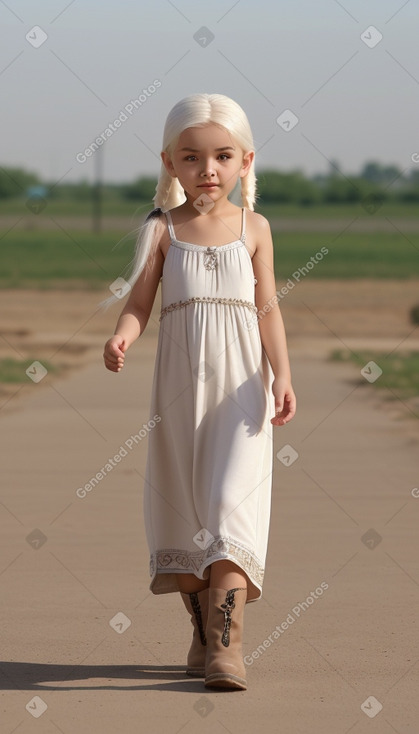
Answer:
(208, 169)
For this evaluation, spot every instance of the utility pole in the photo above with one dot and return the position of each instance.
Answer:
(97, 192)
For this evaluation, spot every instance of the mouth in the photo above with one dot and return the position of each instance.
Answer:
(208, 186)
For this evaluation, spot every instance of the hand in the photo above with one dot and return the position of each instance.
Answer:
(113, 353)
(285, 401)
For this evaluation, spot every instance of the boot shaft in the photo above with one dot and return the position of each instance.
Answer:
(224, 666)
(196, 604)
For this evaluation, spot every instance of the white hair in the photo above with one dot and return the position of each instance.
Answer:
(196, 110)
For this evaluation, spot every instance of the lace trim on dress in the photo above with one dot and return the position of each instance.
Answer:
(171, 560)
(208, 299)
(201, 248)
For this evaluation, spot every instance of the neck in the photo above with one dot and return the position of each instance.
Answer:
(220, 207)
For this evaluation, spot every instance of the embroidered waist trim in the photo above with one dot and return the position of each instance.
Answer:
(208, 299)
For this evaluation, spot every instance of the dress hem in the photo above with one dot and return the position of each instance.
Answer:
(166, 563)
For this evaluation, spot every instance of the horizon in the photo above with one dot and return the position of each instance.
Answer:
(331, 82)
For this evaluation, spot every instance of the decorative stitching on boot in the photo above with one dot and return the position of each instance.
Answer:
(228, 607)
(196, 607)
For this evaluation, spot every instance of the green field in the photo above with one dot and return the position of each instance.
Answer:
(76, 257)
(41, 259)
(400, 372)
(14, 370)
(114, 206)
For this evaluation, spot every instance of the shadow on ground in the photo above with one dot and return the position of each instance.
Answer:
(42, 676)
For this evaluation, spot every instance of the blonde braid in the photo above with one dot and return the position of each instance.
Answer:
(248, 188)
(169, 192)
(162, 189)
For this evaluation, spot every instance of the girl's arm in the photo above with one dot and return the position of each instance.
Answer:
(136, 312)
(271, 325)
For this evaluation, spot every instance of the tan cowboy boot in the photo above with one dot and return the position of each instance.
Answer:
(224, 666)
(197, 606)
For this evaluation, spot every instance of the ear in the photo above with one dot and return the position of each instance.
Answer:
(167, 161)
(248, 159)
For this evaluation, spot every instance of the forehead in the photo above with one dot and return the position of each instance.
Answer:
(206, 137)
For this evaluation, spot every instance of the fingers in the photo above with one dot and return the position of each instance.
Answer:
(113, 355)
(284, 410)
(280, 419)
(115, 364)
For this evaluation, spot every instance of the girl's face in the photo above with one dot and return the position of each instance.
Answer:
(207, 155)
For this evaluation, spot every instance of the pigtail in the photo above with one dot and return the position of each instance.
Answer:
(248, 188)
(146, 235)
(169, 192)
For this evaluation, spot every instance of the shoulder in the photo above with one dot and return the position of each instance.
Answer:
(258, 230)
(257, 222)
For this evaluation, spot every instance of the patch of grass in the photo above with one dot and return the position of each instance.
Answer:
(115, 206)
(400, 371)
(37, 258)
(111, 207)
(40, 258)
(390, 209)
(350, 255)
(14, 370)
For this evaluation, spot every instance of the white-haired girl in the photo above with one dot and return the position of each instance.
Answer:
(221, 372)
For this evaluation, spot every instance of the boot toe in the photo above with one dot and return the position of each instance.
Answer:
(226, 681)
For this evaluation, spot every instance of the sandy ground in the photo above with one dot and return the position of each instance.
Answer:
(68, 328)
(344, 514)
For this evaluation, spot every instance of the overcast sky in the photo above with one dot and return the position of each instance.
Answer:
(355, 100)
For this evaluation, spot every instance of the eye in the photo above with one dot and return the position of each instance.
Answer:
(188, 157)
(224, 156)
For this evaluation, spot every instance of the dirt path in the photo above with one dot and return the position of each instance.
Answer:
(66, 328)
(344, 515)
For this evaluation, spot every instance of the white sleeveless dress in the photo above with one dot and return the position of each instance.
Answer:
(207, 490)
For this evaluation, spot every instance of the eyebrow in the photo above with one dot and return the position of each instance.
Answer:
(195, 150)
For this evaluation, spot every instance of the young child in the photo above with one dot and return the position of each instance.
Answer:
(221, 379)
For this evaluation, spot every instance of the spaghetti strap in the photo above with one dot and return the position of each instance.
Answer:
(243, 234)
(170, 226)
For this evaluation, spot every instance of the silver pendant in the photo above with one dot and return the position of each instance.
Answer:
(210, 259)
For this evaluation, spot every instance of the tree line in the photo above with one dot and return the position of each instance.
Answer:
(273, 186)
